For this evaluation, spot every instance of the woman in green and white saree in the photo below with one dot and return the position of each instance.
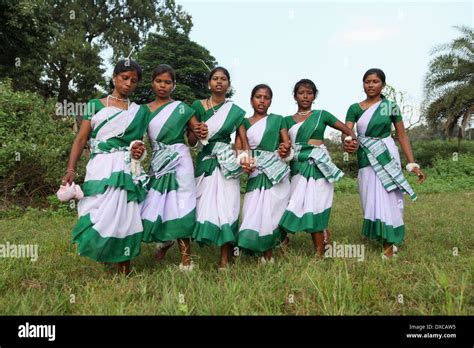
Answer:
(169, 210)
(312, 172)
(268, 187)
(381, 181)
(110, 227)
(217, 168)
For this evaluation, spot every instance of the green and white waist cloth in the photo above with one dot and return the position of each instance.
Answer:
(136, 170)
(318, 156)
(270, 164)
(227, 160)
(388, 170)
(165, 159)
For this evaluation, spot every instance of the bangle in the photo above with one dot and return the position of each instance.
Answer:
(130, 150)
(73, 171)
(411, 166)
(195, 146)
(348, 138)
(290, 156)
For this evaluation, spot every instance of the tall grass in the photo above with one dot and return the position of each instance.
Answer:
(427, 278)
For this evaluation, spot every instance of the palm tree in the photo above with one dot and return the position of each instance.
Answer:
(449, 84)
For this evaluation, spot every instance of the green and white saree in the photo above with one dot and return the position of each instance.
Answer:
(110, 227)
(312, 175)
(381, 181)
(268, 187)
(217, 176)
(169, 210)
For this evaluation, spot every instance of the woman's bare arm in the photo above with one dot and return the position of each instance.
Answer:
(76, 150)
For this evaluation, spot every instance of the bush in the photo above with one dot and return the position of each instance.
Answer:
(35, 146)
(454, 166)
(62, 208)
(426, 152)
(447, 175)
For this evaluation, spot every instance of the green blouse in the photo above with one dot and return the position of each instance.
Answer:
(379, 126)
(327, 119)
(92, 107)
(233, 121)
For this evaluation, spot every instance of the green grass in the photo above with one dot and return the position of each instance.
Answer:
(431, 280)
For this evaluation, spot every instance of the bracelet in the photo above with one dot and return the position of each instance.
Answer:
(195, 146)
(130, 150)
(348, 138)
(290, 156)
(411, 166)
(72, 171)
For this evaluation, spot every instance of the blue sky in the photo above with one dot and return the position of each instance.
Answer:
(332, 43)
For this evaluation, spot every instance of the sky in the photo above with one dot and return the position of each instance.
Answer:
(331, 42)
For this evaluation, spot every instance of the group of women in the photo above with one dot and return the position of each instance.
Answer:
(290, 173)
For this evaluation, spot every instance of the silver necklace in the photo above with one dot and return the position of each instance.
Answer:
(128, 107)
(114, 97)
(212, 105)
(302, 113)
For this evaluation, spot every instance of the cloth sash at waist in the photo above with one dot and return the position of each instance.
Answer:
(319, 157)
(384, 164)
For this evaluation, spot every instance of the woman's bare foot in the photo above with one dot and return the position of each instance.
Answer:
(388, 250)
(284, 245)
(161, 252)
(318, 242)
(124, 267)
(327, 237)
(185, 250)
(268, 255)
(224, 260)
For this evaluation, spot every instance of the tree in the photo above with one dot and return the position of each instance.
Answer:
(23, 41)
(68, 65)
(190, 60)
(406, 107)
(449, 92)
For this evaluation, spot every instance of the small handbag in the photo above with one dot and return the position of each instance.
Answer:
(68, 192)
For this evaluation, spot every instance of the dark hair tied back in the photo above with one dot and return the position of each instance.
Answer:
(262, 85)
(126, 65)
(305, 83)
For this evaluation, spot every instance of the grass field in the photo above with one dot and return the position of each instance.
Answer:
(426, 279)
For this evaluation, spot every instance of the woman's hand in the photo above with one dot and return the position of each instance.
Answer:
(196, 129)
(420, 174)
(200, 129)
(284, 150)
(204, 130)
(350, 146)
(138, 149)
(68, 178)
(247, 164)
